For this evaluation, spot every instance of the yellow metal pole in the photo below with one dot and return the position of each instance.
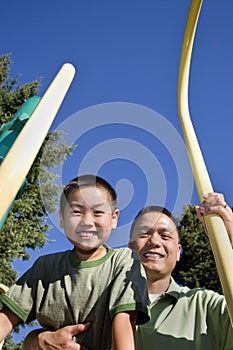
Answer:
(219, 240)
(21, 155)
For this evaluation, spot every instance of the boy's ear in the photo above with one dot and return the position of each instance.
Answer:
(61, 219)
(115, 217)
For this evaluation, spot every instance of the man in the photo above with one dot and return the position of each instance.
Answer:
(180, 318)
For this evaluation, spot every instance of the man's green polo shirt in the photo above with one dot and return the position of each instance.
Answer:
(187, 319)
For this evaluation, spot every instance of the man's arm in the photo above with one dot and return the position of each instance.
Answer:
(123, 335)
(123, 331)
(8, 320)
(60, 339)
(214, 203)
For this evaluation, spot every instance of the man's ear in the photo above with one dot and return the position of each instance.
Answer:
(61, 219)
(131, 245)
(115, 217)
(179, 251)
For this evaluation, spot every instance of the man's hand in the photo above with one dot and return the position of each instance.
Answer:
(214, 203)
(62, 339)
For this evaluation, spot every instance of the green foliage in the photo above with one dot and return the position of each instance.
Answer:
(26, 225)
(12, 95)
(10, 345)
(54, 152)
(197, 266)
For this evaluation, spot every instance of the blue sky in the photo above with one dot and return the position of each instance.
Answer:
(122, 104)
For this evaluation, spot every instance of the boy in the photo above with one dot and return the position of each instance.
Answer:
(92, 283)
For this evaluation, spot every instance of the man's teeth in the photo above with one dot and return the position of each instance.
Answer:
(87, 234)
(153, 255)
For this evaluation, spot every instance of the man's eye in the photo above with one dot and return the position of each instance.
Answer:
(165, 235)
(144, 234)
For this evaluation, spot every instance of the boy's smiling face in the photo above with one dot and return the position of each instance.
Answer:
(88, 219)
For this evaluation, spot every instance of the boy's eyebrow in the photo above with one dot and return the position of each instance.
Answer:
(99, 204)
(74, 203)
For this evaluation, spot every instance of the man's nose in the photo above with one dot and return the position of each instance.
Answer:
(154, 239)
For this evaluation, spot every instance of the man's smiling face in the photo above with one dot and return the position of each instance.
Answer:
(155, 238)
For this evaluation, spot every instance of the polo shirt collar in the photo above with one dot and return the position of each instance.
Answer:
(174, 289)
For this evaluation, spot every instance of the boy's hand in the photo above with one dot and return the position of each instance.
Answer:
(60, 339)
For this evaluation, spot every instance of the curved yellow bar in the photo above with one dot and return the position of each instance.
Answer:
(3, 288)
(218, 236)
(21, 155)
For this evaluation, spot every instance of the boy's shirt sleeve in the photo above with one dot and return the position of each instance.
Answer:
(128, 291)
(129, 288)
(19, 298)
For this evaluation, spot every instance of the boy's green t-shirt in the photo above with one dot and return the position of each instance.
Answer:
(59, 290)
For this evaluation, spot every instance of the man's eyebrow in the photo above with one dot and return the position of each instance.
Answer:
(167, 227)
(161, 227)
(143, 228)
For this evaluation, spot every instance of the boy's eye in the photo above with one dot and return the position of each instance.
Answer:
(76, 211)
(99, 213)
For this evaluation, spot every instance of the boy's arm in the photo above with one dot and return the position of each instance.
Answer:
(60, 339)
(8, 320)
(123, 331)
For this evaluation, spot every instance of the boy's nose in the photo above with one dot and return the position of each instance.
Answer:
(87, 219)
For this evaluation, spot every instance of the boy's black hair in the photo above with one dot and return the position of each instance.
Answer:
(151, 209)
(88, 181)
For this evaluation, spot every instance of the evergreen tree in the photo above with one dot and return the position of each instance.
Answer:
(26, 226)
(197, 266)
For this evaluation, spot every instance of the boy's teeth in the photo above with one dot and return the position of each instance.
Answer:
(87, 234)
